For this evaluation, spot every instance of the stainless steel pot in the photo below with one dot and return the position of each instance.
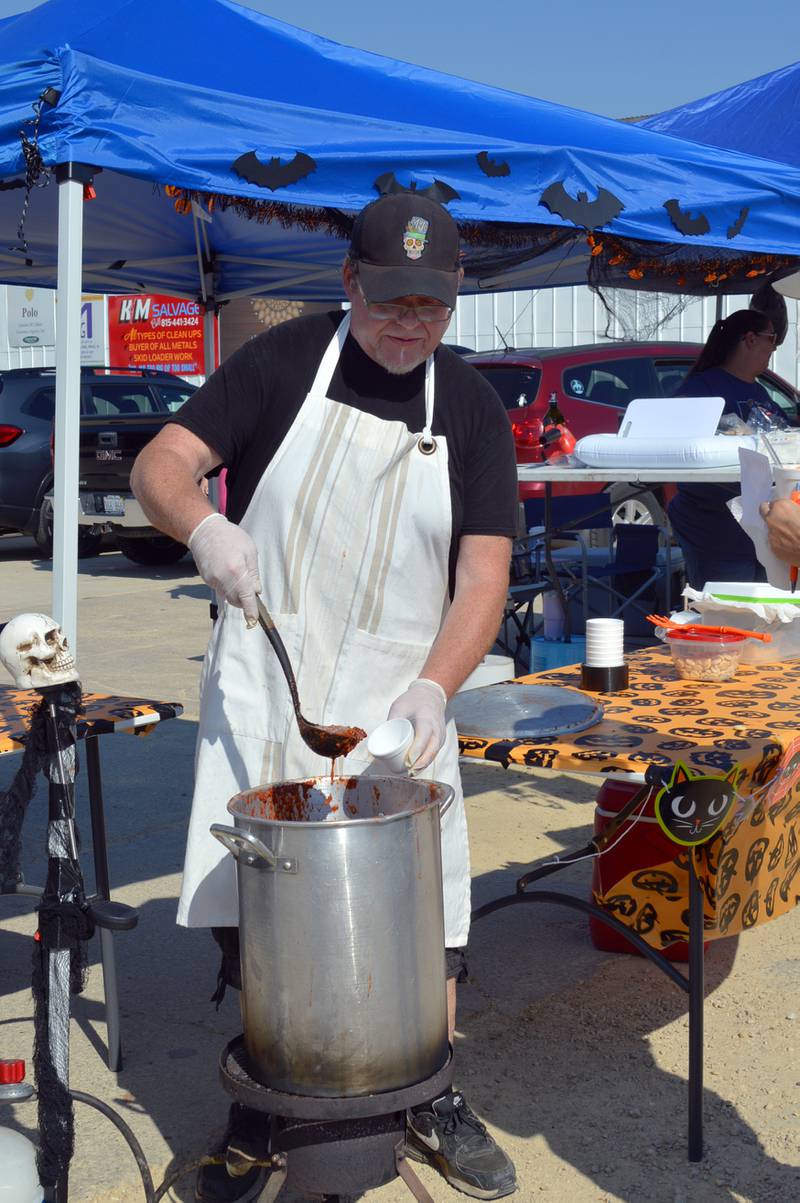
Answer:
(341, 931)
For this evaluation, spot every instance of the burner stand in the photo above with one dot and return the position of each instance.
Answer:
(333, 1146)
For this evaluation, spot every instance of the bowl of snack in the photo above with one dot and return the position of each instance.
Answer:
(699, 656)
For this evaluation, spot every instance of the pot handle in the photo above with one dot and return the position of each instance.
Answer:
(245, 848)
(447, 802)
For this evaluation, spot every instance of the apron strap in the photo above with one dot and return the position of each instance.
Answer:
(330, 359)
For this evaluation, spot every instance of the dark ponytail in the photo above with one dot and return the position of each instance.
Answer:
(724, 336)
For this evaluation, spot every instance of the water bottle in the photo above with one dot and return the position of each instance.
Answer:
(19, 1181)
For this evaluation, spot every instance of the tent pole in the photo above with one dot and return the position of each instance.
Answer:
(71, 178)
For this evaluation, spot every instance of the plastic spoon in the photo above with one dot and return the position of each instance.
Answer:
(330, 742)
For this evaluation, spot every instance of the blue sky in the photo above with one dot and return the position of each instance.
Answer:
(616, 57)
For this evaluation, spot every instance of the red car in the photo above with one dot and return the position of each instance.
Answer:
(593, 384)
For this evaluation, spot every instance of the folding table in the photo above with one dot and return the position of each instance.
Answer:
(747, 873)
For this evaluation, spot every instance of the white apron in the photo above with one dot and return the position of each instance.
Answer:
(352, 520)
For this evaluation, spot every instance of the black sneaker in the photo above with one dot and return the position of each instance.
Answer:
(235, 1178)
(449, 1136)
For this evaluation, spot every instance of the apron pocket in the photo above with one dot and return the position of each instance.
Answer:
(378, 671)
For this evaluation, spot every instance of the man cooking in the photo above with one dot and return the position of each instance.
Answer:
(372, 499)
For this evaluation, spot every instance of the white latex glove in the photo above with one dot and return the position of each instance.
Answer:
(227, 560)
(423, 704)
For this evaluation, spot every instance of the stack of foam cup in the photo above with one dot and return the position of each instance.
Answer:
(604, 669)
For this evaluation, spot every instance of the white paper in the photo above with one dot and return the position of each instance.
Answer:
(757, 487)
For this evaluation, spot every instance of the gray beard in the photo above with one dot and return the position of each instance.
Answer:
(395, 369)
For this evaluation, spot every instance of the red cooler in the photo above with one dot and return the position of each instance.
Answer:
(642, 845)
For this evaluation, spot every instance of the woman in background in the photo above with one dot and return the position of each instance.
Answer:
(714, 546)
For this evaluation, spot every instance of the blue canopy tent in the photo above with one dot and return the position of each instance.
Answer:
(760, 116)
(228, 152)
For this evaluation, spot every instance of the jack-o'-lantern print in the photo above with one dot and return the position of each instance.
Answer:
(791, 847)
(691, 809)
(612, 740)
(769, 900)
(675, 745)
(713, 760)
(657, 881)
(728, 912)
(750, 911)
(786, 884)
(681, 711)
(621, 904)
(744, 695)
(755, 858)
(694, 733)
(775, 855)
(725, 872)
(645, 921)
(540, 758)
(669, 936)
(768, 764)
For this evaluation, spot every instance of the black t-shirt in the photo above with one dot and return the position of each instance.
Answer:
(245, 410)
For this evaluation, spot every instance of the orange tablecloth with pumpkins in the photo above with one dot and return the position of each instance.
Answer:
(103, 714)
(747, 731)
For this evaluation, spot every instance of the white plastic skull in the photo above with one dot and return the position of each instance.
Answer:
(35, 652)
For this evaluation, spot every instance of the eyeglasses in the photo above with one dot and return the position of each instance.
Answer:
(383, 311)
(770, 334)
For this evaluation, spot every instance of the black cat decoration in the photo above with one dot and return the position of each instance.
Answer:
(273, 174)
(690, 810)
(591, 214)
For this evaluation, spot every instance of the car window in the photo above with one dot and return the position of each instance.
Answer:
(173, 396)
(41, 404)
(609, 381)
(114, 401)
(780, 397)
(670, 374)
(515, 386)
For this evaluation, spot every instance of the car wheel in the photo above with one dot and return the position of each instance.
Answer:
(88, 540)
(158, 550)
(644, 510)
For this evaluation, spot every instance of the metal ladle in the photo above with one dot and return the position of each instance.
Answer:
(330, 742)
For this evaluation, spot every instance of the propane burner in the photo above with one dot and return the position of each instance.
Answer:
(332, 1146)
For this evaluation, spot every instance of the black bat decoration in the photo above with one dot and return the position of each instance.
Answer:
(492, 167)
(387, 184)
(580, 210)
(737, 226)
(273, 174)
(683, 221)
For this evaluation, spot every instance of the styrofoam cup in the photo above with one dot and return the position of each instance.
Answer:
(604, 642)
(390, 744)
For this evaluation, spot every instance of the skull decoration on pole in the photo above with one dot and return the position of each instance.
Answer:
(35, 652)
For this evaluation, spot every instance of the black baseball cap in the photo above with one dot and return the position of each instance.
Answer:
(406, 245)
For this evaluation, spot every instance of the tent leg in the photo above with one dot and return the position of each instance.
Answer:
(68, 384)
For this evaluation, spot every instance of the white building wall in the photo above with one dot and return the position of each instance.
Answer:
(562, 317)
(553, 317)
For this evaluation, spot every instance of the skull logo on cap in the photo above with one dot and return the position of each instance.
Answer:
(35, 652)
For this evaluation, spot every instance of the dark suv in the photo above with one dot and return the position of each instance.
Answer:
(593, 384)
(27, 408)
